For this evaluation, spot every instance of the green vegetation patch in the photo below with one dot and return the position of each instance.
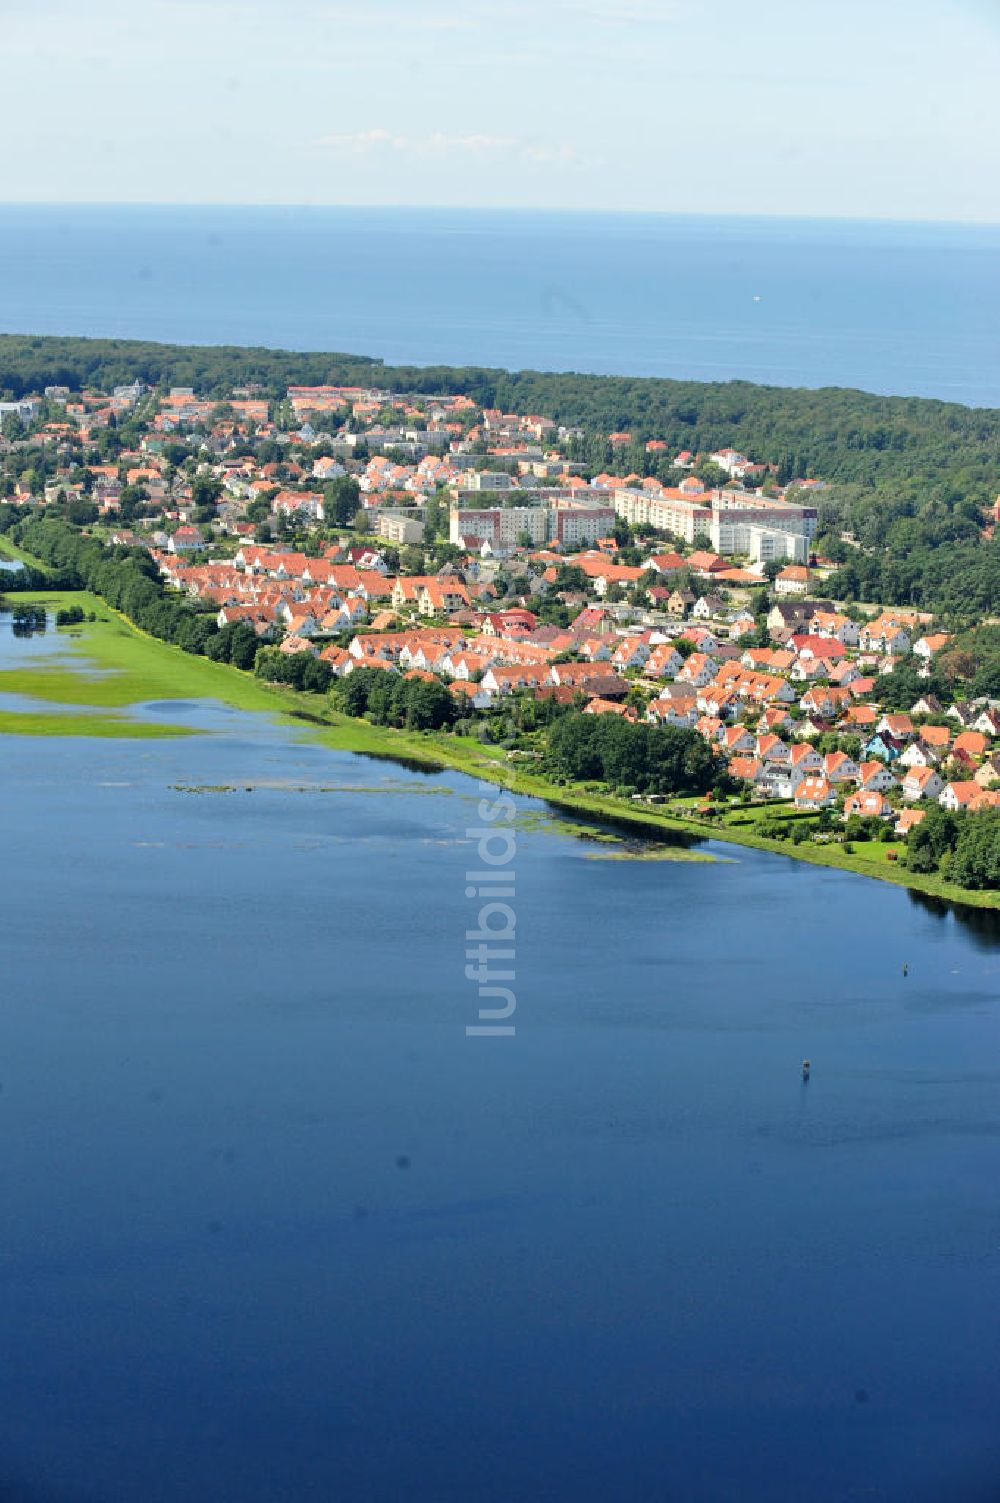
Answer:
(652, 853)
(52, 723)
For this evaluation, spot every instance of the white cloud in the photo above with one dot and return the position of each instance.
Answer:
(363, 140)
(474, 143)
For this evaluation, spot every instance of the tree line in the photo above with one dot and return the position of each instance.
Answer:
(962, 847)
(631, 757)
(125, 577)
(840, 433)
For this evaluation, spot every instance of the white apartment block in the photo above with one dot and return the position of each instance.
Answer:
(396, 528)
(749, 524)
(27, 409)
(500, 526)
(503, 527)
(684, 518)
(760, 543)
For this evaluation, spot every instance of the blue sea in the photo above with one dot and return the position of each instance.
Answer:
(911, 309)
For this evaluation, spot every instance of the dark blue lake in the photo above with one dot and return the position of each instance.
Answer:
(275, 1228)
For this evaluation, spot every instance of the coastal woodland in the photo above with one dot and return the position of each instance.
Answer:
(907, 478)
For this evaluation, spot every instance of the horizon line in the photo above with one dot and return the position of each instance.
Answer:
(513, 209)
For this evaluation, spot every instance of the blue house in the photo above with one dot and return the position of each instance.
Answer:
(884, 747)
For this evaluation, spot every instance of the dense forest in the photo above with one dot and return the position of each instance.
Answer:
(841, 434)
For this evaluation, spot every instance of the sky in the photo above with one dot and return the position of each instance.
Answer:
(859, 108)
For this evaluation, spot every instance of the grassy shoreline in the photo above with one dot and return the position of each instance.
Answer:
(10, 553)
(137, 668)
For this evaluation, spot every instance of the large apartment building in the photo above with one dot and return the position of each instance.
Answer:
(545, 521)
(759, 526)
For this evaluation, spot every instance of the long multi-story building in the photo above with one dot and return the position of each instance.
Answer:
(685, 514)
(760, 538)
(503, 527)
(575, 522)
(748, 523)
(567, 521)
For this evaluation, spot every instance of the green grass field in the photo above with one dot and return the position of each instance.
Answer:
(131, 666)
(108, 665)
(877, 850)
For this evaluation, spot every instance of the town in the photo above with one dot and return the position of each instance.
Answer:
(344, 528)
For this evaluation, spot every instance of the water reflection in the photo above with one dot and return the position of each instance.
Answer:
(27, 620)
(19, 641)
(981, 924)
(412, 764)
